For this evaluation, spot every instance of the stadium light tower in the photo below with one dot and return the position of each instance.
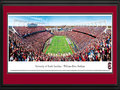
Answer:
(92, 24)
(88, 24)
(13, 22)
(96, 24)
(106, 23)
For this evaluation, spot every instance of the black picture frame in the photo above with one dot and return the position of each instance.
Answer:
(57, 3)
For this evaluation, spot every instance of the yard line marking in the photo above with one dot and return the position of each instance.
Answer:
(71, 49)
(46, 49)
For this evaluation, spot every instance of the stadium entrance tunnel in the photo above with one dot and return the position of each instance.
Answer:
(59, 46)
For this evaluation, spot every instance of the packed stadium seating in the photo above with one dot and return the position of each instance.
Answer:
(80, 39)
(90, 48)
(93, 30)
(22, 30)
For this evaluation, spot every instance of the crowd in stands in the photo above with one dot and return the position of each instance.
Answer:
(23, 49)
(93, 30)
(23, 30)
(90, 49)
(38, 40)
(62, 33)
(80, 39)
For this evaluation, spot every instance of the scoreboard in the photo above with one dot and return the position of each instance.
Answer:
(32, 25)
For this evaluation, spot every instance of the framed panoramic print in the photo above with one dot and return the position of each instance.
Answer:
(60, 44)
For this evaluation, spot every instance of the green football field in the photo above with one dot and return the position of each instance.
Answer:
(58, 45)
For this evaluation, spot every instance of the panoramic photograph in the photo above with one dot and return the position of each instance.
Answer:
(59, 38)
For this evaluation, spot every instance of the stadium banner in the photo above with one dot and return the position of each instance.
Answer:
(66, 42)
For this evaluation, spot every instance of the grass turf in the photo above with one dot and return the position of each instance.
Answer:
(58, 44)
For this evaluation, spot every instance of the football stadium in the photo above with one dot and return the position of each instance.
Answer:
(33, 41)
